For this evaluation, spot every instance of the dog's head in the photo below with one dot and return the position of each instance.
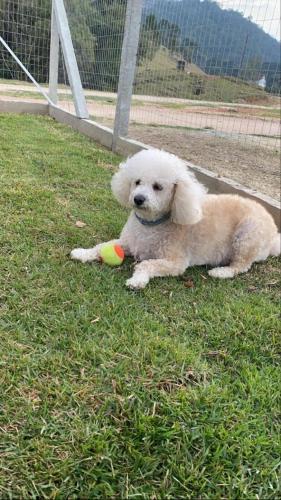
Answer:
(153, 182)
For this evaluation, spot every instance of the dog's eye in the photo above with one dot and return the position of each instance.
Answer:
(138, 182)
(157, 187)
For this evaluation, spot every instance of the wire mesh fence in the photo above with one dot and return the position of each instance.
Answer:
(97, 30)
(212, 67)
(206, 66)
(25, 26)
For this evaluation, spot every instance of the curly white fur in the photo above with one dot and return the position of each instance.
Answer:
(225, 231)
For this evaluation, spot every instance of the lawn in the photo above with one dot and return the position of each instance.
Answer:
(172, 392)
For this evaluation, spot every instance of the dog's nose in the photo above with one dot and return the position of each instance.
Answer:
(139, 199)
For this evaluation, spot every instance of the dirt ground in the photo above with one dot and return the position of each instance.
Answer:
(223, 119)
(253, 166)
(261, 122)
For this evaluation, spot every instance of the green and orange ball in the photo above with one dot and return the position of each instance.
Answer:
(112, 255)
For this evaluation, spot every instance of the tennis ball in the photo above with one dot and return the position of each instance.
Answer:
(113, 255)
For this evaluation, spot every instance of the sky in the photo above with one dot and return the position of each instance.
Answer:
(265, 13)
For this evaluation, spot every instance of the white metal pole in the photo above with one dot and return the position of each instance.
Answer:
(41, 90)
(54, 58)
(70, 60)
(127, 69)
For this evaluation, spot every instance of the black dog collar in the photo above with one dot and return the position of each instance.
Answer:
(155, 222)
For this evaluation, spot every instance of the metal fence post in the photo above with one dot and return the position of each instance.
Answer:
(54, 58)
(70, 59)
(127, 69)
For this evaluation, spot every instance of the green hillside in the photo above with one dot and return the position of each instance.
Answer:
(160, 77)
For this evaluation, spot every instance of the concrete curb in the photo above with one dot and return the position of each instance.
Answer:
(19, 107)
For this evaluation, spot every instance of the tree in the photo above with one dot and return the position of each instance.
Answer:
(188, 48)
(26, 27)
(107, 26)
(149, 40)
(272, 72)
(169, 34)
(151, 24)
(27, 31)
(80, 15)
(251, 69)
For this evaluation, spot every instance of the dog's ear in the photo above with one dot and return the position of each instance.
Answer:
(187, 202)
(120, 185)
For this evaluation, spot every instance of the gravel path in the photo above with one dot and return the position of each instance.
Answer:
(255, 167)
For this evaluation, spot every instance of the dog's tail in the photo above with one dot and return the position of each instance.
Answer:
(276, 245)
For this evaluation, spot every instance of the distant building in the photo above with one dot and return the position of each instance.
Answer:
(262, 82)
(181, 64)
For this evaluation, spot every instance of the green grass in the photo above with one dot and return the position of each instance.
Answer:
(171, 392)
(173, 83)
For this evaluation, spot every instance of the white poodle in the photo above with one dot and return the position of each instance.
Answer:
(174, 224)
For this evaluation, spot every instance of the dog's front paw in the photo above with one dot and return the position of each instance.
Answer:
(137, 282)
(221, 272)
(83, 254)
